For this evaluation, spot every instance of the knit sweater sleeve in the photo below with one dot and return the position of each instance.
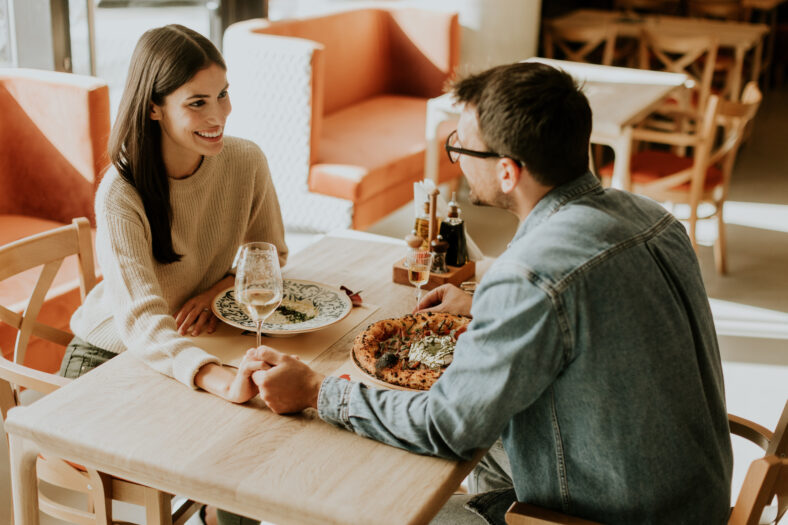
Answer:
(141, 314)
(265, 223)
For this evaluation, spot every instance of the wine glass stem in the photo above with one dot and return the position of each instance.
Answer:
(418, 295)
(259, 327)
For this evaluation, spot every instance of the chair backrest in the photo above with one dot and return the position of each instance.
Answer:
(403, 51)
(649, 6)
(691, 55)
(580, 44)
(717, 9)
(53, 143)
(734, 117)
(767, 477)
(47, 250)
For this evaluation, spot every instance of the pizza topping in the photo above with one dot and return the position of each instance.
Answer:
(433, 351)
(388, 359)
(410, 351)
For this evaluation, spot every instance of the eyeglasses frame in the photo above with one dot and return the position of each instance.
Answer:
(472, 153)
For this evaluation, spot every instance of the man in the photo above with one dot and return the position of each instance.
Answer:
(592, 352)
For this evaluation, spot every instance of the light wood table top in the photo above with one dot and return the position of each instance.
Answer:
(127, 420)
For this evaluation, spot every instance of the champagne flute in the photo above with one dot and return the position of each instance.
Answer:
(419, 263)
(258, 281)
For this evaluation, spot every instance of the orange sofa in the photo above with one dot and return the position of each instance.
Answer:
(53, 148)
(338, 104)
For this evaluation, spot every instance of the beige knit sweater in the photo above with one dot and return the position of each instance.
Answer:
(229, 200)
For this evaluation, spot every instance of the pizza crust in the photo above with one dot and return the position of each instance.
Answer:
(392, 336)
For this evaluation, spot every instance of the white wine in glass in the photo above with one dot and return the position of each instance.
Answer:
(419, 264)
(258, 281)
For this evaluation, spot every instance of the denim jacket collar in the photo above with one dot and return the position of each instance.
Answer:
(555, 199)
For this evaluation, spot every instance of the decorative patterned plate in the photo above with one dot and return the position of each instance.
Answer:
(306, 306)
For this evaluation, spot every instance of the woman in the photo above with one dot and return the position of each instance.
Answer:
(171, 212)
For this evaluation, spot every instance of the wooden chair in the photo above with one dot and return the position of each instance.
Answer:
(48, 250)
(717, 9)
(580, 44)
(665, 7)
(694, 56)
(766, 479)
(703, 177)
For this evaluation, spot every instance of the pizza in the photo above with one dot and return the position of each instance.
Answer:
(411, 351)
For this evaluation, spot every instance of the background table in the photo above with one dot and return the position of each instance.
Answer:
(741, 37)
(619, 97)
(125, 419)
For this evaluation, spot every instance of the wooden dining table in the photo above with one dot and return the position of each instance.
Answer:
(125, 419)
(741, 37)
(620, 98)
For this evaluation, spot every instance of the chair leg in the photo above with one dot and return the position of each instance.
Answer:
(692, 225)
(719, 246)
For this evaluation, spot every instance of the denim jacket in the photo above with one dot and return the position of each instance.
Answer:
(592, 354)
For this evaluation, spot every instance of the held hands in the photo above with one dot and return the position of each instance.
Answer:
(446, 298)
(286, 384)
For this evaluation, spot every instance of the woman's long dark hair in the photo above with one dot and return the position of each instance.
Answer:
(165, 58)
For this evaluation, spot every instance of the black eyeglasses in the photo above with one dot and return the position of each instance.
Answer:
(454, 152)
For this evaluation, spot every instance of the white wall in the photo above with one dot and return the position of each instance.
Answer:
(493, 31)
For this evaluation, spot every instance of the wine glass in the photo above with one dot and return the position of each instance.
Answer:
(419, 263)
(258, 281)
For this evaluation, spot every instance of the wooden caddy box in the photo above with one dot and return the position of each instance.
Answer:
(456, 275)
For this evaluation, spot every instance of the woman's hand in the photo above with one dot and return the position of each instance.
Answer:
(243, 388)
(196, 315)
(235, 387)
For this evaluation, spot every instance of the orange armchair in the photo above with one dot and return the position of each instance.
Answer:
(53, 149)
(338, 105)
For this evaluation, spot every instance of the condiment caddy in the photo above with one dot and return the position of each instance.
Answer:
(445, 250)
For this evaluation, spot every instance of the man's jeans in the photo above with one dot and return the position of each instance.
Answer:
(491, 492)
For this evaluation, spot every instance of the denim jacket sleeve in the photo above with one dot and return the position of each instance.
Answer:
(515, 332)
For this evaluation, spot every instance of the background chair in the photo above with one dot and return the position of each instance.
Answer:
(48, 250)
(338, 105)
(766, 479)
(53, 150)
(665, 7)
(694, 56)
(702, 177)
(580, 44)
(718, 9)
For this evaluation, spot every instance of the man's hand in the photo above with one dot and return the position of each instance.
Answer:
(289, 385)
(446, 298)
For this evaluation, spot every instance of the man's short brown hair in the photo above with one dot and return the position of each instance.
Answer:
(533, 113)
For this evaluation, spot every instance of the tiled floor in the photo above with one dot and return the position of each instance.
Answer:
(750, 304)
